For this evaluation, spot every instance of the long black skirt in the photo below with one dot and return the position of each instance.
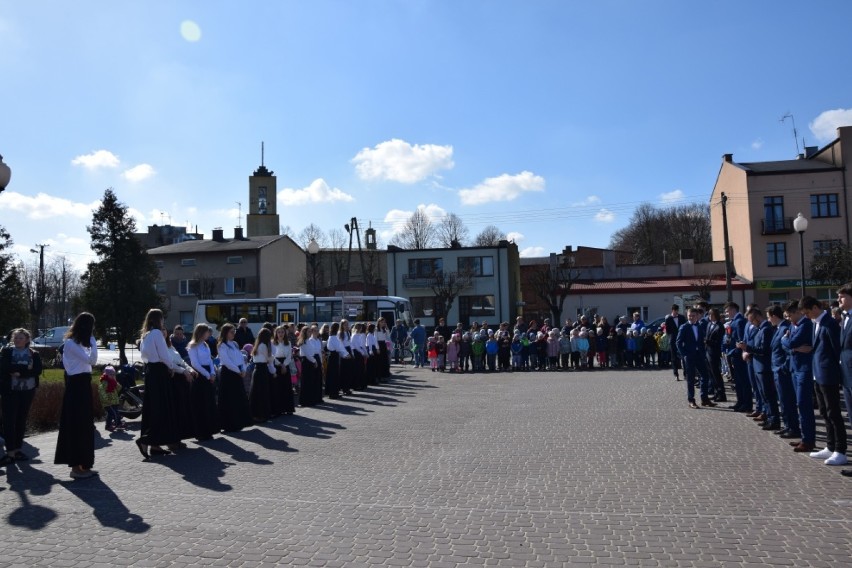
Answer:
(76, 443)
(159, 411)
(234, 409)
(347, 368)
(259, 396)
(311, 393)
(359, 373)
(332, 376)
(205, 415)
(281, 390)
(384, 360)
(371, 370)
(182, 398)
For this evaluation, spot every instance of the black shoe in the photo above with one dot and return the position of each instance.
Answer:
(21, 456)
(846, 472)
(143, 449)
(781, 432)
(6, 460)
(772, 427)
(790, 435)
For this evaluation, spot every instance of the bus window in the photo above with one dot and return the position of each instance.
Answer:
(327, 311)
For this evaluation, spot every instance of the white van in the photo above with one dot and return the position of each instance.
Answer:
(53, 337)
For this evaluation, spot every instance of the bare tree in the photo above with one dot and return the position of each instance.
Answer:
(652, 231)
(311, 232)
(490, 236)
(451, 231)
(552, 283)
(63, 281)
(833, 263)
(285, 230)
(37, 291)
(446, 287)
(703, 285)
(418, 233)
(337, 255)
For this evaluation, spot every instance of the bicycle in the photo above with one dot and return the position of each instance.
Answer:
(404, 352)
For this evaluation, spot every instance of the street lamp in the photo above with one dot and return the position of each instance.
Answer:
(5, 175)
(800, 224)
(313, 250)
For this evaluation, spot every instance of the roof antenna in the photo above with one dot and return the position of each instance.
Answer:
(239, 214)
(261, 153)
(795, 132)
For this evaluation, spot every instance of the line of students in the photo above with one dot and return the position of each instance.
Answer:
(780, 360)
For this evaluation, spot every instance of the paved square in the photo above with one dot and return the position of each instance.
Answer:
(526, 469)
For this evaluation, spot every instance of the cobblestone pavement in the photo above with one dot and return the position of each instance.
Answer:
(546, 469)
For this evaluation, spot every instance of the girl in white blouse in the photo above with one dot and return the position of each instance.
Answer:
(75, 445)
(336, 352)
(234, 410)
(264, 369)
(205, 415)
(281, 385)
(371, 367)
(359, 352)
(310, 351)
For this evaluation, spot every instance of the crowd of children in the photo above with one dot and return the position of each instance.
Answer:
(585, 344)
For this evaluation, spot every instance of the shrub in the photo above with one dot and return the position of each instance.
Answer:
(47, 406)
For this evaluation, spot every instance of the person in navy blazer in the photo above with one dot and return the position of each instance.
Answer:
(844, 295)
(690, 346)
(799, 345)
(828, 378)
(739, 370)
(760, 410)
(760, 351)
(781, 374)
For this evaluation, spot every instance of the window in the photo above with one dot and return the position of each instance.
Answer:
(235, 285)
(234, 260)
(824, 205)
(477, 265)
(425, 267)
(187, 262)
(159, 263)
(825, 247)
(189, 287)
(423, 307)
(643, 313)
(186, 319)
(477, 305)
(160, 288)
(252, 310)
(776, 254)
(773, 214)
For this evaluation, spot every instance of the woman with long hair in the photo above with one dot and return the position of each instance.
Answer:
(347, 364)
(382, 336)
(20, 368)
(159, 409)
(234, 409)
(281, 384)
(359, 354)
(310, 350)
(75, 445)
(264, 369)
(205, 415)
(336, 354)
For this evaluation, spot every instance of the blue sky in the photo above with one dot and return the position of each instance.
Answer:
(550, 119)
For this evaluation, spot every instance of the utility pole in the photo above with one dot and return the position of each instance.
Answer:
(728, 288)
(37, 304)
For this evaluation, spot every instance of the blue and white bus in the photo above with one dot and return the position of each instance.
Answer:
(299, 308)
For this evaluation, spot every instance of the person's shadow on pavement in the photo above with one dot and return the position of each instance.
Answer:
(106, 506)
(199, 467)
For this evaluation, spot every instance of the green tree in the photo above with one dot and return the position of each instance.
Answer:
(13, 312)
(118, 288)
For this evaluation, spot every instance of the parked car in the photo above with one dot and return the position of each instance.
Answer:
(656, 324)
(52, 337)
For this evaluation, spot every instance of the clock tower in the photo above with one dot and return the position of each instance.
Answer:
(262, 218)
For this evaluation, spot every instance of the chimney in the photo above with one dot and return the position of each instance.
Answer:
(238, 234)
(728, 157)
(687, 263)
(218, 235)
(609, 263)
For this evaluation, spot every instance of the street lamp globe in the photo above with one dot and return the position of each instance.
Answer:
(313, 247)
(800, 223)
(5, 174)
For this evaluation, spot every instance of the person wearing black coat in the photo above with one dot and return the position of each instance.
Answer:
(20, 368)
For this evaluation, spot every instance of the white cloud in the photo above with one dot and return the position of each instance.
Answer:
(757, 144)
(138, 173)
(825, 125)
(317, 192)
(514, 236)
(590, 200)
(533, 252)
(44, 206)
(397, 218)
(502, 188)
(138, 216)
(672, 196)
(605, 216)
(97, 159)
(397, 160)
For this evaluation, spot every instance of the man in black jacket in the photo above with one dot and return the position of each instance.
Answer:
(673, 323)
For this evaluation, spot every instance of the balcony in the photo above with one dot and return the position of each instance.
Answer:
(776, 226)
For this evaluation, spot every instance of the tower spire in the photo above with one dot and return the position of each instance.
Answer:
(261, 153)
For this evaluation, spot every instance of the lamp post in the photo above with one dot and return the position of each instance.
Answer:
(800, 224)
(313, 250)
(5, 175)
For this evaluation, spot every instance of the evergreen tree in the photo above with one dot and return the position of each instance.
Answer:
(119, 288)
(13, 312)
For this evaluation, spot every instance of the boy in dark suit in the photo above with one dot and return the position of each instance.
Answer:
(690, 346)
